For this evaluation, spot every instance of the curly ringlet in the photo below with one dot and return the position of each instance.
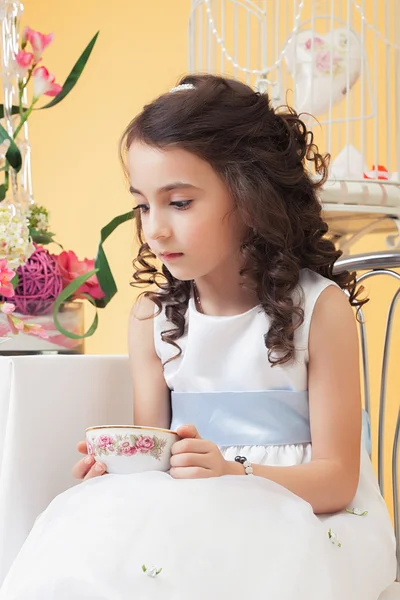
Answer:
(264, 157)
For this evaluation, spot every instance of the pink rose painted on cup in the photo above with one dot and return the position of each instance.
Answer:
(89, 448)
(127, 450)
(105, 441)
(145, 443)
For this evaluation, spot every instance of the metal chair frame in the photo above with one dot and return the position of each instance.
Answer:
(367, 266)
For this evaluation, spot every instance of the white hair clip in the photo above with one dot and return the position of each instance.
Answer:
(182, 86)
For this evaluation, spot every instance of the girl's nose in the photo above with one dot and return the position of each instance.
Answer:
(158, 226)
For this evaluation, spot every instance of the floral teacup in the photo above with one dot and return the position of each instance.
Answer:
(130, 448)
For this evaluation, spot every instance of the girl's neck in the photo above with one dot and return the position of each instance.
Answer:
(223, 297)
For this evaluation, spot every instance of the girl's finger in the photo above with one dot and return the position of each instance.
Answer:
(82, 467)
(191, 445)
(97, 470)
(190, 460)
(82, 447)
(189, 473)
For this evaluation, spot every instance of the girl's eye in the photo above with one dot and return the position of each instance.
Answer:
(143, 208)
(181, 204)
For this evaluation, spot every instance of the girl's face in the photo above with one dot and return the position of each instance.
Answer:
(188, 216)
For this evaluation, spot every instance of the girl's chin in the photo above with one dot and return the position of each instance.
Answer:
(179, 273)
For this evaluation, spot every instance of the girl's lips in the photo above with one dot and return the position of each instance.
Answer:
(171, 255)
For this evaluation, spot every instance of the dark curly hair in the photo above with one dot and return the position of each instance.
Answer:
(263, 155)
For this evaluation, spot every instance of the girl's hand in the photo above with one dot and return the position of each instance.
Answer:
(87, 468)
(194, 458)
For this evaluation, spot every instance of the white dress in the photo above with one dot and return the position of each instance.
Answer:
(232, 537)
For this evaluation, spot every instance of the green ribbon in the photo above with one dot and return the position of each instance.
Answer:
(104, 276)
(64, 296)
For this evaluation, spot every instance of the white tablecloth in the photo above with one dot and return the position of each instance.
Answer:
(46, 402)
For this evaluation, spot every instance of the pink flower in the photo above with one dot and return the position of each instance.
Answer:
(38, 41)
(43, 83)
(36, 330)
(128, 450)
(145, 443)
(17, 325)
(89, 448)
(7, 308)
(71, 267)
(105, 441)
(6, 276)
(323, 60)
(317, 42)
(24, 61)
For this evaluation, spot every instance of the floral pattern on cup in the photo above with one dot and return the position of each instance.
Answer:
(127, 445)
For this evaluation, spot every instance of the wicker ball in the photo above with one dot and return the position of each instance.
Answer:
(39, 284)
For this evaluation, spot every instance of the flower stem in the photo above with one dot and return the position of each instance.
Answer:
(24, 117)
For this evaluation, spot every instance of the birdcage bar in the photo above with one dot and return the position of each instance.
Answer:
(356, 101)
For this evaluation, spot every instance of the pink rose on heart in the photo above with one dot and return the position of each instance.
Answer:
(324, 59)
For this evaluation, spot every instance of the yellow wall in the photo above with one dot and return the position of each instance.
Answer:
(141, 51)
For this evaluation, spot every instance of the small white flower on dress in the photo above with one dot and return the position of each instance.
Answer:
(334, 539)
(357, 511)
(151, 571)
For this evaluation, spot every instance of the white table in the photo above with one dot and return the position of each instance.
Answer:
(46, 402)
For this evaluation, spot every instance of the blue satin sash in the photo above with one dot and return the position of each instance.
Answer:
(259, 418)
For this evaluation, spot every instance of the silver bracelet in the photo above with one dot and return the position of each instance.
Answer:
(248, 469)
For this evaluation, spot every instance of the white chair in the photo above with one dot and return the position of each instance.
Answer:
(367, 266)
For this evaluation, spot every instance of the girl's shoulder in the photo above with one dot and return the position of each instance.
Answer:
(311, 285)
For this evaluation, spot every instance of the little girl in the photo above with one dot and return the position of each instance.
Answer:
(247, 345)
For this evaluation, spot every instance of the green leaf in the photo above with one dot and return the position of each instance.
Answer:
(104, 275)
(73, 77)
(14, 281)
(40, 237)
(14, 111)
(3, 192)
(13, 154)
(66, 295)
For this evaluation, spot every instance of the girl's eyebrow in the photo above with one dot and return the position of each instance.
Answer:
(177, 185)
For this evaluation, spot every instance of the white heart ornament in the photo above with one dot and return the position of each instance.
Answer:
(324, 67)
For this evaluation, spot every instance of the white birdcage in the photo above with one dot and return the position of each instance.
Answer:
(338, 60)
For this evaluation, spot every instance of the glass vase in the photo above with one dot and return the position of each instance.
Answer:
(19, 193)
(71, 317)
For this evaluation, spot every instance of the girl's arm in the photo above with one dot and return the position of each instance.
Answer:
(330, 480)
(151, 398)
